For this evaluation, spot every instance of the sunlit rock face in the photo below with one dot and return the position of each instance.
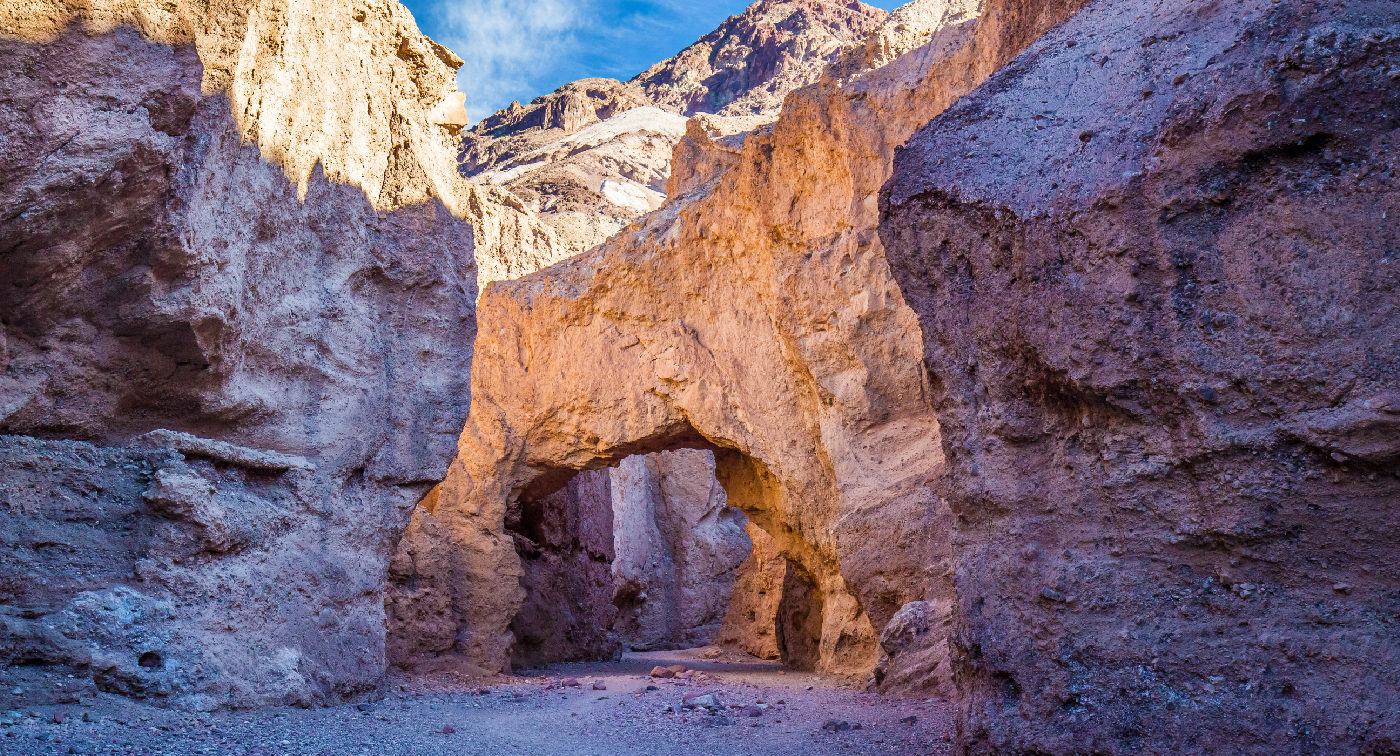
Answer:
(1154, 261)
(594, 155)
(589, 159)
(754, 316)
(237, 328)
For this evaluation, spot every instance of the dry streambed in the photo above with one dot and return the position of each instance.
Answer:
(715, 705)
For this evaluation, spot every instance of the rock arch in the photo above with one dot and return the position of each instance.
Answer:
(623, 352)
(603, 398)
(757, 311)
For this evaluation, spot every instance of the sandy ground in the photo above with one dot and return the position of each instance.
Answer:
(764, 710)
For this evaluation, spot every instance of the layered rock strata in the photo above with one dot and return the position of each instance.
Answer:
(594, 155)
(754, 315)
(1156, 272)
(237, 287)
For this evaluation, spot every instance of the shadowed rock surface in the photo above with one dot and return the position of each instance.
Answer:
(235, 353)
(1154, 261)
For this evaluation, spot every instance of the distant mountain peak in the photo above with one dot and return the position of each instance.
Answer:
(749, 64)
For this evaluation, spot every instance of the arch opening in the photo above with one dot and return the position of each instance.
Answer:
(653, 553)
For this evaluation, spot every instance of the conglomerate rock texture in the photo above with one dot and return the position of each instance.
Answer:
(237, 289)
(754, 316)
(1156, 269)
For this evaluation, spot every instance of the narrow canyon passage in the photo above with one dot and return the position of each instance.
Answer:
(969, 376)
(650, 554)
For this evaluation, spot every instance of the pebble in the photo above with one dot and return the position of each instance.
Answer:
(697, 700)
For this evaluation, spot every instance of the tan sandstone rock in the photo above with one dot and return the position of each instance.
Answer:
(590, 158)
(754, 316)
(750, 621)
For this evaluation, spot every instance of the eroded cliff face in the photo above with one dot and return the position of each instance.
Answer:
(594, 155)
(238, 311)
(679, 548)
(754, 315)
(1154, 261)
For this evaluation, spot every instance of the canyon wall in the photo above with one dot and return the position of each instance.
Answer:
(679, 547)
(1080, 410)
(237, 289)
(1156, 271)
(753, 315)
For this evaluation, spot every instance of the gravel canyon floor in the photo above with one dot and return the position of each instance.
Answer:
(615, 708)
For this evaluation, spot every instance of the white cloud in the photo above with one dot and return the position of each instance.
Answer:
(507, 44)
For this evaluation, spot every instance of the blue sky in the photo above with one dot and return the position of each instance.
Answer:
(519, 49)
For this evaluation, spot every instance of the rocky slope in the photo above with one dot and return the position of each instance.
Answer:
(748, 65)
(237, 321)
(755, 316)
(594, 155)
(1160, 321)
